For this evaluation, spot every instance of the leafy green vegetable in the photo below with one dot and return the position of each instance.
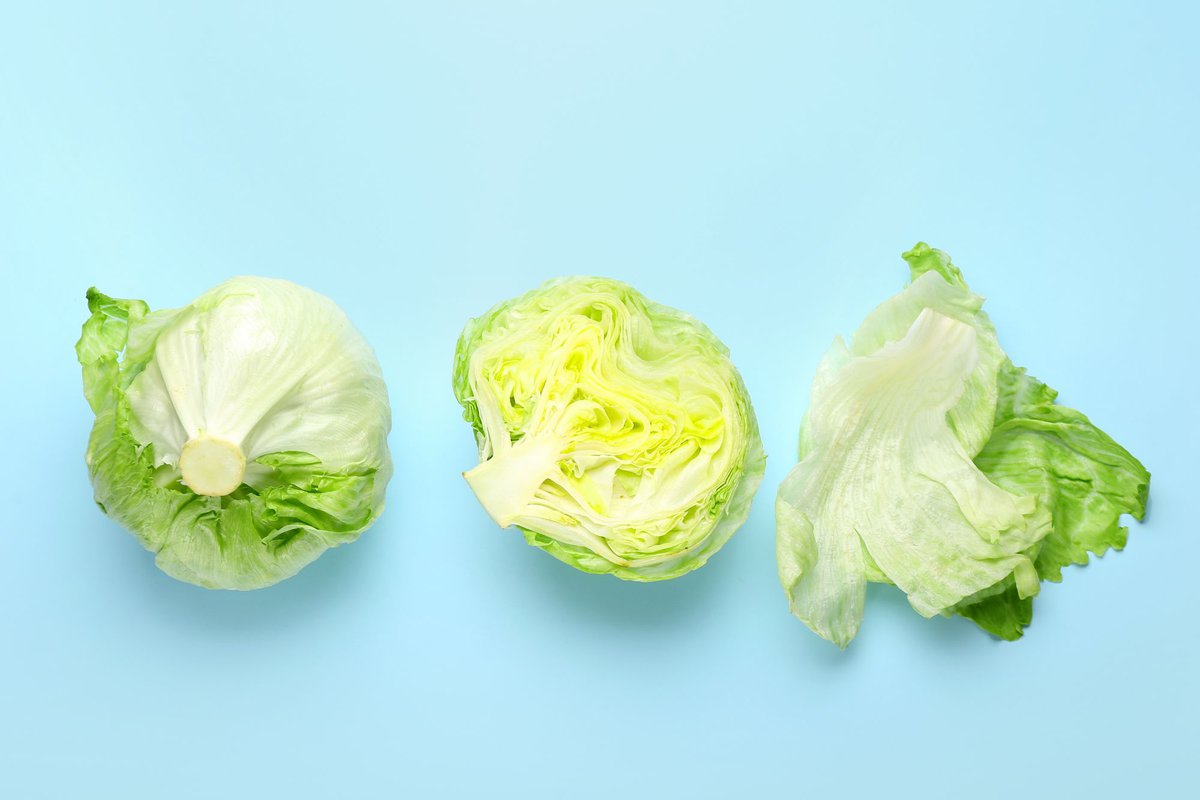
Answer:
(927, 460)
(1074, 469)
(614, 432)
(238, 437)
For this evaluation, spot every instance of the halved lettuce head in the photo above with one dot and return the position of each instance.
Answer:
(927, 460)
(238, 437)
(614, 432)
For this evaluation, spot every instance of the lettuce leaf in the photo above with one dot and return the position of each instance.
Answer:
(928, 461)
(1074, 469)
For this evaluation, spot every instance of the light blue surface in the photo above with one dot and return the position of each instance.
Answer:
(762, 169)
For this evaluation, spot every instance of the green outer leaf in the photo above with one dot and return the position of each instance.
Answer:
(1004, 613)
(922, 259)
(1076, 470)
(246, 540)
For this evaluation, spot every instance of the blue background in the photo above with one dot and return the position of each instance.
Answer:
(760, 165)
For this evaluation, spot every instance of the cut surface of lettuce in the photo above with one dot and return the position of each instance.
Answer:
(238, 437)
(928, 461)
(614, 432)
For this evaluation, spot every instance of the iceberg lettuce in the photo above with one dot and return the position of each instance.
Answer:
(614, 432)
(237, 437)
(928, 461)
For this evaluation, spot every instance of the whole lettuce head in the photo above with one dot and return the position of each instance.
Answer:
(238, 437)
(613, 431)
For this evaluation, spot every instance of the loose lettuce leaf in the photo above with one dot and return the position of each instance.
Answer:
(613, 432)
(1074, 469)
(265, 364)
(927, 460)
(886, 475)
